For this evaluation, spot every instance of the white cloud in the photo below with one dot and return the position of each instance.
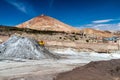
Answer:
(110, 27)
(102, 25)
(19, 5)
(102, 21)
(22, 6)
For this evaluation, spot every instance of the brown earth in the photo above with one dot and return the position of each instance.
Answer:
(97, 47)
(100, 33)
(47, 23)
(99, 70)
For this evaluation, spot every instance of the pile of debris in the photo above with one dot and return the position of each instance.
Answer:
(99, 70)
(24, 48)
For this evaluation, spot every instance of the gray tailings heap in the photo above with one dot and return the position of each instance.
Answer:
(24, 48)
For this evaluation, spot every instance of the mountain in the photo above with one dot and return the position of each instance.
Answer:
(47, 23)
(97, 32)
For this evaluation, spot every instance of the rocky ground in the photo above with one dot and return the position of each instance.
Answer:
(101, 70)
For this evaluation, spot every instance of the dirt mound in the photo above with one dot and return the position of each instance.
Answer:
(99, 70)
(24, 48)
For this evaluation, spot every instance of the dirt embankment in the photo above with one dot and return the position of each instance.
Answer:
(100, 70)
(97, 47)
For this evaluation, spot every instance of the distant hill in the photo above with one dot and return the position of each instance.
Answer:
(47, 23)
(97, 32)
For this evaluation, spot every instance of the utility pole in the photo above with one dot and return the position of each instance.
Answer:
(118, 44)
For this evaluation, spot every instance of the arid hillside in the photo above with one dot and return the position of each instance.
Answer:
(47, 23)
(97, 32)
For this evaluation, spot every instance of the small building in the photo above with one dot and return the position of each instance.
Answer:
(99, 39)
(113, 39)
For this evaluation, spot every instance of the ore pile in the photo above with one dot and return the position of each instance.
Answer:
(24, 48)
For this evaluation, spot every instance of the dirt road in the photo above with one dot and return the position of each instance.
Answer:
(32, 70)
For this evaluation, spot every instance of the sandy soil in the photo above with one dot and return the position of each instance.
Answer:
(33, 69)
(99, 70)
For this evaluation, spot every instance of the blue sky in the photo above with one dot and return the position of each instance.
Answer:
(78, 13)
